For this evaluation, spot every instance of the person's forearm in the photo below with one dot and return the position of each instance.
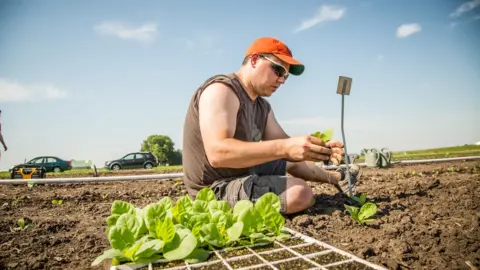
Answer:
(232, 153)
(2, 141)
(308, 171)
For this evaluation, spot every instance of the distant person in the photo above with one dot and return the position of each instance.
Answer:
(1, 135)
(233, 144)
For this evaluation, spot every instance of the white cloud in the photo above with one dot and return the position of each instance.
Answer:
(145, 33)
(406, 30)
(380, 57)
(324, 14)
(206, 43)
(465, 7)
(454, 24)
(17, 92)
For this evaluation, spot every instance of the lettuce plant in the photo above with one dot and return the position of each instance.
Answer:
(325, 136)
(361, 215)
(189, 229)
(360, 199)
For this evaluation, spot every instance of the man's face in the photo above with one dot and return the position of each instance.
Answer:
(270, 72)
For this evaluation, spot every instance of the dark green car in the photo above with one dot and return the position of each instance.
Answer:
(51, 163)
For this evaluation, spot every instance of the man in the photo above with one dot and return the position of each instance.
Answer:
(1, 136)
(233, 144)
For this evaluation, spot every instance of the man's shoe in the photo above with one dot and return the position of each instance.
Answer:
(355, 173)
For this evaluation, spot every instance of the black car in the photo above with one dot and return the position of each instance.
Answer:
(50, 163)
(134, 160)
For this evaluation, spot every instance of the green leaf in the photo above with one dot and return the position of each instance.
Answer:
(112, 220)
(165, 230)
(211, 235)
(120, 237)
(130, 251)
(367, 210)
(200, 206)
(353, 211)
(133, 222)
(223, 220)
(156, 210)
(109, 254)
(283, 236)
(222, 206)
(325, 136)
(235, 231)
(252, 220)
(198, 220)
(198, 255)
(180, 247)
(241, 205)
(121, 207)
(206, 194)
(361, 199)
(274, 222)
(268, 203)
(149, 248)
(182, 209)
(166, 203)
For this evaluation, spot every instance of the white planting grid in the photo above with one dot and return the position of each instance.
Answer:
(343, 260)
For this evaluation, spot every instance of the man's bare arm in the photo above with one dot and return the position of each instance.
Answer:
(1, 139)
(218, 108)
(306, 170)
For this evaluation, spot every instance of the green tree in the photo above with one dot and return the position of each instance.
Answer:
(175, 158)
(161, 147)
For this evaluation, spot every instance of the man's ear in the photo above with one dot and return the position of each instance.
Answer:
(253, 59)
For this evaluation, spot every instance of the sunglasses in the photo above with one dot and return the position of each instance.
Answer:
(277, 68)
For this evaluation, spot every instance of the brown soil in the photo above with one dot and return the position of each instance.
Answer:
(311, 248)
(245, 262)
(428, 218)
(277, 255)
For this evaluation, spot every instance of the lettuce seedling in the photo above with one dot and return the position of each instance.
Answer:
(180, 231)
(262, 221)
(361, 216)
(360, 200)
(325, 136)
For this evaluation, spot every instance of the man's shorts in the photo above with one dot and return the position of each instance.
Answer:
(267, 177)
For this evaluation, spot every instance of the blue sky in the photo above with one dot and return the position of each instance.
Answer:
(92, 79)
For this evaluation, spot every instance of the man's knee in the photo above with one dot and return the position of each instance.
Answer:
(299, 195)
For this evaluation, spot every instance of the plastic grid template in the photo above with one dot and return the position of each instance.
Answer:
(305, 252)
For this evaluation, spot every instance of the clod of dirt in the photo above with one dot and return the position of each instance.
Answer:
(368, 252)
(303, 220)
(399, 246)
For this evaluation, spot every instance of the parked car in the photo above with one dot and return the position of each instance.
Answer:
(135, 160)
(51, 163)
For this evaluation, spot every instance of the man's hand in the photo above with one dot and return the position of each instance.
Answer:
(5, 147)
(337, 152)
(306, 148)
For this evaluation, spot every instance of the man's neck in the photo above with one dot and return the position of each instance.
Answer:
(246, 84)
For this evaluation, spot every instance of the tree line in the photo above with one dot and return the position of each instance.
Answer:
(163, 148)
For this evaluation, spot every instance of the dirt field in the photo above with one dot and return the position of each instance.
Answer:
(428, 218)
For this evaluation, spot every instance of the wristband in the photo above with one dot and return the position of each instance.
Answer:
(342, 175)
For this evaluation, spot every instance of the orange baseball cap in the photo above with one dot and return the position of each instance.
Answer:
(277, 48)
